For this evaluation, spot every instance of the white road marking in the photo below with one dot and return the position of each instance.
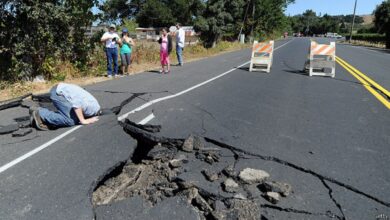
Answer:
(187, 90)
(147, 119)
(36, 150)
(54, 140)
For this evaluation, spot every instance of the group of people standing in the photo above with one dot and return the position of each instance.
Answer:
(111, 40)
(126, 43)
(75, 105)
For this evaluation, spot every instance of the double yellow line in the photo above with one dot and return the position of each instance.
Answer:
(374, 88)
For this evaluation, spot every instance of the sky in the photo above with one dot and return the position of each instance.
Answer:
(333, 7)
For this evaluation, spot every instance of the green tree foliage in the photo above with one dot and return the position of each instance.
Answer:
(309, 23)
(382, 20)
(149, 13)
(120, 9)
(217, 19)
(155, 13)
(269, 17)
(33, 33)
(257, 18)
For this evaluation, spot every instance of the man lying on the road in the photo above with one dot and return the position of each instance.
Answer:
(74, 104)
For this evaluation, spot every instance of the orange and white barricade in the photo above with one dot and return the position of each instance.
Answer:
(262, 55)
(322, 59)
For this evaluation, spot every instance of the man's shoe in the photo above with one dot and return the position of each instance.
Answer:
(37, 121)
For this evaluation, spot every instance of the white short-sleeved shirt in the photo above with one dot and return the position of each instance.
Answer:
(180, 37)
(109, 42)
(79, 98)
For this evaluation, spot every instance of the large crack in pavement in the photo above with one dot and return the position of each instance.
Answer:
(162, 168)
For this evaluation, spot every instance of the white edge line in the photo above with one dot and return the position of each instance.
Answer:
(147, 119)
(120, 118)
(36, 150)
(47, 144)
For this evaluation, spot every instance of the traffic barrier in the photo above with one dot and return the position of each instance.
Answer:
(262, 55)
(322, 57)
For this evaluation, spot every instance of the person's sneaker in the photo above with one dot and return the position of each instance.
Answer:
(109, 76)
(36, 121)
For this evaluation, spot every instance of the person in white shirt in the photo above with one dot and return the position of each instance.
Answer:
(111, 39)
(180, 40)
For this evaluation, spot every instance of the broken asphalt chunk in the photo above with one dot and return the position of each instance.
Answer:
(272, 186)
(162, 153)
(188, 145)
(148, 128)
(250, 176)
(175, 163)
(210, 176)
(229, 185)
(11, 103)
(229, 171)
(22, 132)
(272, 197)
(8, 129)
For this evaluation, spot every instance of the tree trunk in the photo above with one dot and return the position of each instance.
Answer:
(388, 40)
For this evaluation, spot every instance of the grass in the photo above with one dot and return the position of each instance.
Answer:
(146, 57)
(367, 44)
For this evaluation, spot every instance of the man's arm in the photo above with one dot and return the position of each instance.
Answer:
(80, 116)
(105, 37)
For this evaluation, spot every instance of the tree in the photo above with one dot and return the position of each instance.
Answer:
(216, 19)
(120, 9)
(161, 12)
(155, 13)
(34, 33)
(382, 20)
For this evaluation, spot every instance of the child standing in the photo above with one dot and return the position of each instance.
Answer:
(165, 42)
(125, 51)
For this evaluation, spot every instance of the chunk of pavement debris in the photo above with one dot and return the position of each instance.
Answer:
(191, 193)
(211, 157)
(243, 209)
(188, 144)
(250, 176)
(175, 163)
(8, 129)
(239, 196)
(272, 186)
(198, 143)
(182, 158)
(218, 215)
(229, 185)
(210, 176)
(202, 204)
(159, 152)
(272, 197)
(229, 171)
(22, 132)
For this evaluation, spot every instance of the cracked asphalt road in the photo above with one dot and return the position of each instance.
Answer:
(333, 127)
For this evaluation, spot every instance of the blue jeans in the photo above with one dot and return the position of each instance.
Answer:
(179, 53)
(65, 117)
(112, 57)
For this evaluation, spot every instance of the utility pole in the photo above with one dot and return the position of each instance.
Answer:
(353, 21)
(253, 22)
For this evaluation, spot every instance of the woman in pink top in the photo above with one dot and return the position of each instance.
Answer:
(165, 42)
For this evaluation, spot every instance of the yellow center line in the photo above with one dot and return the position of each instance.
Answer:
(366, 83)
(365, 77)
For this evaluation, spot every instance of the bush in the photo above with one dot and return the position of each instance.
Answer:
(373, 38)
